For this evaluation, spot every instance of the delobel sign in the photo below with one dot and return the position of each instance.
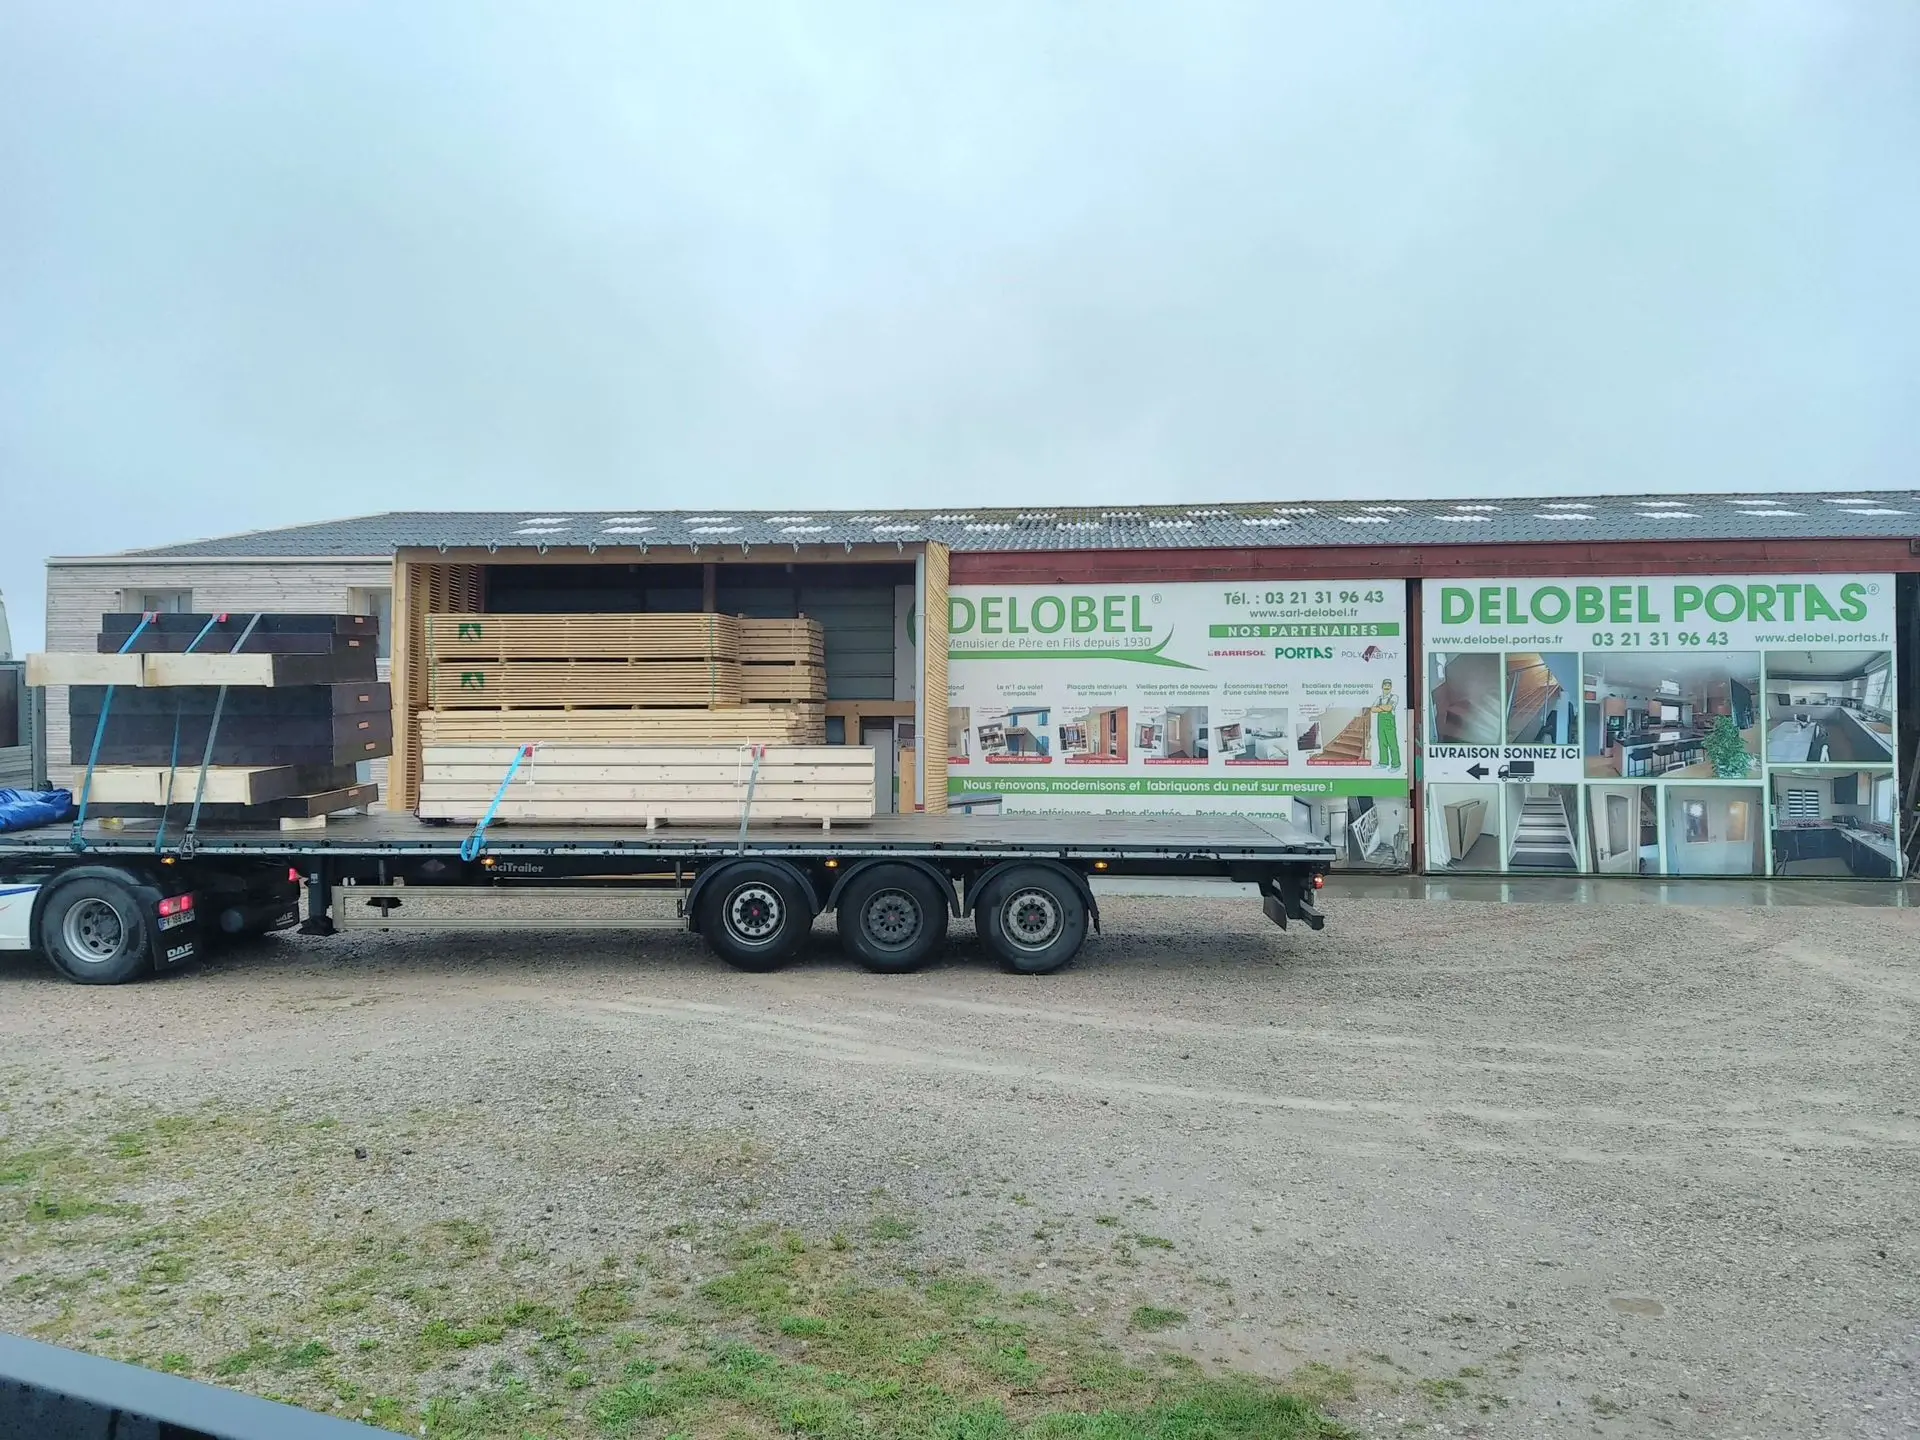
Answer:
(1769, 602)
(1048, 614)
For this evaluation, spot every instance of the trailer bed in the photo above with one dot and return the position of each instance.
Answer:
(129, 900)
(1117, 839)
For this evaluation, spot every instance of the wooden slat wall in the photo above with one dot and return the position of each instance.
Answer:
(419, 590)
(933, 679)
(78, 595)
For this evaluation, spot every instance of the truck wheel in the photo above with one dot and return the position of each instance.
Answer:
(95, 933)
(892, 918)
(755, 916)
(1032, 919)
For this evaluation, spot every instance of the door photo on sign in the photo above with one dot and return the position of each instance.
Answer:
(1175, 736)
(1623, 829)
(1715, 830)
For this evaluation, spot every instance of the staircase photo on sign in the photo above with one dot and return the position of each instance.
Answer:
(1541, 828)
(1464, 692)
(1540, 698)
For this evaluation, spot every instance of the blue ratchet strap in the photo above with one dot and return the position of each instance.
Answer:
(78, 841)
(206, 758)
(471, 847)
(173, 763)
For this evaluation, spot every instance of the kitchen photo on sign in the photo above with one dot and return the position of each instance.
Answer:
(1837, 824)
(1671, 715)
(1829, 707)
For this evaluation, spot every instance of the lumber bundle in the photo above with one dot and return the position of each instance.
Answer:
(289, 703)
(135, 670)
(740, 725)
(458, 639)
(526, 683)
(782, 660)
(649, 785)
(715, 662)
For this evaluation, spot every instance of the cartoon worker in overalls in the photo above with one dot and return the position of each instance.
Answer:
(1387, 728)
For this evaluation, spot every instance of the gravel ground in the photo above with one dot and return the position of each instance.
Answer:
(1517, 1169)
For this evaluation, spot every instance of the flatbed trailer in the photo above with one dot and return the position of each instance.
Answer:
(114, 904)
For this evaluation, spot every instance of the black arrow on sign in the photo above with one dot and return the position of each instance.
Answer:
(1478, 772)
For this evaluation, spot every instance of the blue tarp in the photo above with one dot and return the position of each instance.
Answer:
(23, 809)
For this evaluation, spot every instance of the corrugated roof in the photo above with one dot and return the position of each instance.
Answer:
(1837, 515)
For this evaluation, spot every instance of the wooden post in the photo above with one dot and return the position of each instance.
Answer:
(709, 588)
(400, 777)
(932, 738)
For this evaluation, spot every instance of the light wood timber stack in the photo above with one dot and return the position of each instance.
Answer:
(642, 678)
(528, 684)
(742, 724)
(650, 785)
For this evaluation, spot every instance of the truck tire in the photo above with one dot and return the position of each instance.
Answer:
(892, 918)
(96, 932)
(1031, 918)
(755, 916)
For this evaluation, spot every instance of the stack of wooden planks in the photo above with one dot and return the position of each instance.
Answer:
(783, 660)
(614, 784)
(638, 678)
(290, 702)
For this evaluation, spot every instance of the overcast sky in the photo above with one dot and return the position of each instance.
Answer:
(267, 263)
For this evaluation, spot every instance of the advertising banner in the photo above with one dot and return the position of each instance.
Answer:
(1661, 725)
(1273, 700)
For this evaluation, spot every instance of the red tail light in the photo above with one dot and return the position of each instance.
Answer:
(1319, 882)
(176, 905)
(293, 876)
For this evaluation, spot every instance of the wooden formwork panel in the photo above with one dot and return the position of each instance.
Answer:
(293, 808)
(224, 785)
(468, 684)
(618, 784)
(582, 637)
(746, 724)
(75, 668)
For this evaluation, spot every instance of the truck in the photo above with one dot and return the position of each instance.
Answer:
(109, 905)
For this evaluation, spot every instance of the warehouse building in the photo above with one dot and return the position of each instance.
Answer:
(1680, 685)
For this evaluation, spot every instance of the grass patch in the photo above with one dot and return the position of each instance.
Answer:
(1149, 1319)
(444, 1327)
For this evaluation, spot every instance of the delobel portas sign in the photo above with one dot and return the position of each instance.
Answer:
(1844, 600)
